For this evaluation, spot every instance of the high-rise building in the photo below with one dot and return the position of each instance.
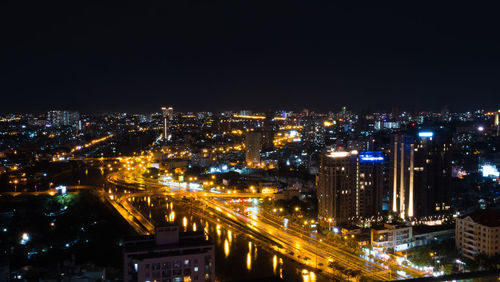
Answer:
(62, 118)
(252, 147)
(370, 184)
(349, 186)
(420, 173)
(268, 132)
(169, 256)
(168, 114)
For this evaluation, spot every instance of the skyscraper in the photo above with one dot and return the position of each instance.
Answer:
(420, 174)
(349, 186)
(252, 147)
(167, 115)
(268, 132)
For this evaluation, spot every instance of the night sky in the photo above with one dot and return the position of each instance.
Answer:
(257, 55)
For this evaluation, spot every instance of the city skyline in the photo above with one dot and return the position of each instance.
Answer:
(219, 140)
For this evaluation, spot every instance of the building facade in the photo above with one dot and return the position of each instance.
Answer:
(478, 233)
(62, 118)
(420, 174)
(391, 237)
(169, 256)
(349, 186)
(252, 147)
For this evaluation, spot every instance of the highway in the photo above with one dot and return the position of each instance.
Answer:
(293, 243)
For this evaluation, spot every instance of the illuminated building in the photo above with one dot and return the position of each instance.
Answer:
(391, 237)
(349, 186)
(420, 171)
(252, 147)
(167, 115)
(478, 233)
(370, 183)
(62, 118)
(169, 256)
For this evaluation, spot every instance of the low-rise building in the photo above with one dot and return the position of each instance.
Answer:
(391, 237)
(169, 256)
(478, 233)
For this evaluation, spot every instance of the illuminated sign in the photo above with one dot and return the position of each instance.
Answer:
(338, 154)
(371, 156)
(490, 171)
(425, 134)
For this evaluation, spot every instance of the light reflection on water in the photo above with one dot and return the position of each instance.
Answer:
(231, 259)
(226, 248)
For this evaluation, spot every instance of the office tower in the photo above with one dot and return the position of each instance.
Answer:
(268, 132)
(62, 118)
(402, 170)
(370, 184)
(169, 256)
(252, 147)
(167, 115)
(420, 174)
(349, 186)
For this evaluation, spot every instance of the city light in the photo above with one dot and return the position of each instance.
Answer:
(426, 134)
(490, 170)
(371, 156)
(338, 154)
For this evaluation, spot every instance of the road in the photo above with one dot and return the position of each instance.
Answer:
(290, 242)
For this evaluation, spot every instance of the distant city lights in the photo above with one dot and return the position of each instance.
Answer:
(25, 237)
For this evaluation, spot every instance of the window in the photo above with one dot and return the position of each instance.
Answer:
(156, 275)
(195, 269)
(177, 272)
(187, 262)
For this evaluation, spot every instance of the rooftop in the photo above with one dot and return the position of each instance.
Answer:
(488, 217)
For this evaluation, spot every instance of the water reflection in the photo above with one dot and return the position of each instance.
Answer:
(232, 243)
(249, 260)
(308, 276)
(226, 248)
(275, 264)
(184, 223)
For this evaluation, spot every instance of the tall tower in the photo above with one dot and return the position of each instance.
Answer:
(267, 132)
(167, 115)
(402, 176)
(252, 147)
(421, 174)
(349, 186)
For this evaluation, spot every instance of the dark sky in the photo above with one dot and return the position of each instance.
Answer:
(258, 55)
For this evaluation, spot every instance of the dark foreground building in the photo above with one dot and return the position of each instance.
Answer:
(169, 256)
